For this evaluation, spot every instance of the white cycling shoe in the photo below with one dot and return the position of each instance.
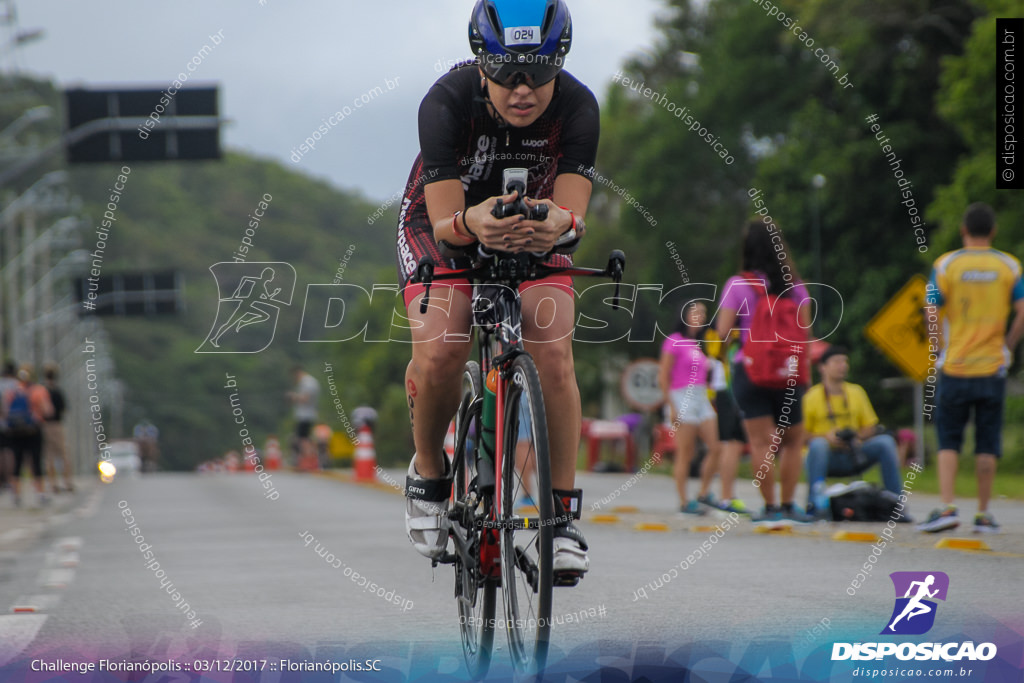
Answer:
(570, 559)
(426, 511)
(570, 554)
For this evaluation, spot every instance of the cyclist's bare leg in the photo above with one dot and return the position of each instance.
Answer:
(549, 315)
(434, 375)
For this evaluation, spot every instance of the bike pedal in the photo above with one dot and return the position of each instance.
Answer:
(568, 579)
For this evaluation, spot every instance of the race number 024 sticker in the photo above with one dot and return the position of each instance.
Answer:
(522, 35)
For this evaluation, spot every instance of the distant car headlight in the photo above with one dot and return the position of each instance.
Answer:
(107, 471)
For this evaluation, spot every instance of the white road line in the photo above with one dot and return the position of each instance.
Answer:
(17, 631)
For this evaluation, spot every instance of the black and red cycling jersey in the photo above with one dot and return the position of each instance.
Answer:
(460, 139)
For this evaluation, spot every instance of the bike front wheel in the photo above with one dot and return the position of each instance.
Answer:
(526, 533)
(474, 592)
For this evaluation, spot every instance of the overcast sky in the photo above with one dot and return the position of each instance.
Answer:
(284, 66)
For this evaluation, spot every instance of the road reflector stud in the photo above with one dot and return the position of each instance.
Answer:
(855, 536)
(962, 544)
(651, 526)
(603, 519)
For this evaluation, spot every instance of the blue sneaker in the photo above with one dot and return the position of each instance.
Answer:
(940, 520)
(793, 513)
(771, 518)
(693, 508)
(985, 523)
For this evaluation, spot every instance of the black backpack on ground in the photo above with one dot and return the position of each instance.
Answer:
(863, 502)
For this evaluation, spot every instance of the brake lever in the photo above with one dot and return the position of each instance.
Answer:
(425, 275)
(616, 267)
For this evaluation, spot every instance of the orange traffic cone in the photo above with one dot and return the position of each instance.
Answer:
(272, 450)
(449, 441)
(366, 456)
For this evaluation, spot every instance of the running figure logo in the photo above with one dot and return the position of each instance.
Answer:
(914, 613)
(247, 319)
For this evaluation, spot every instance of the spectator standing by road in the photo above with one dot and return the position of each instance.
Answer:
(25, 408)
(683, 378)
(54, 443)
(975, 287)
(304, 398)
(771, 416)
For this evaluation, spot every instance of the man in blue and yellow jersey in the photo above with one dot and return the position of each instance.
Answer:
(976, 288)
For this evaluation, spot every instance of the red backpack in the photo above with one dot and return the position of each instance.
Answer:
(777, 346)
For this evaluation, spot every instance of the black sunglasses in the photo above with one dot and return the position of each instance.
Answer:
(533, 70)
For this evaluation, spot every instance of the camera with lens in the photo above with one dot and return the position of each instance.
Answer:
(847, 436)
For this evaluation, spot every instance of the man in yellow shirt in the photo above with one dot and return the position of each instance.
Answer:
(842, 433)
(976, 287)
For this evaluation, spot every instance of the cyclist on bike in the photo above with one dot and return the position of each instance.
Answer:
(512, 107)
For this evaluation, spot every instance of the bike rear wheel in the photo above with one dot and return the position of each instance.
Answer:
(526, 536)
(474, 593)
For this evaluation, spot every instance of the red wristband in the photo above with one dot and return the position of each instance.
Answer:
(573, 215)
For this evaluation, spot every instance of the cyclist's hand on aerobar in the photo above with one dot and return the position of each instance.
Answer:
(500, 234)
(544, 234)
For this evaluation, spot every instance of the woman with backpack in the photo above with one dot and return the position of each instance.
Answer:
(770, 372)
(25, 407)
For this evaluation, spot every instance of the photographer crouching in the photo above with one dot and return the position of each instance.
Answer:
(843, 434)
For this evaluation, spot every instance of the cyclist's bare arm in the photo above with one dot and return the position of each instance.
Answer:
(571, 191)
(445, 197)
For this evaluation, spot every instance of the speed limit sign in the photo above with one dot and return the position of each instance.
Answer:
(640, 384)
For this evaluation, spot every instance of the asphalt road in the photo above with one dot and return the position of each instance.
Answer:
(246, 568)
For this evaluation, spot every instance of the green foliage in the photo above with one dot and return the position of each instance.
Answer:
(967, 100)
(785, 117)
